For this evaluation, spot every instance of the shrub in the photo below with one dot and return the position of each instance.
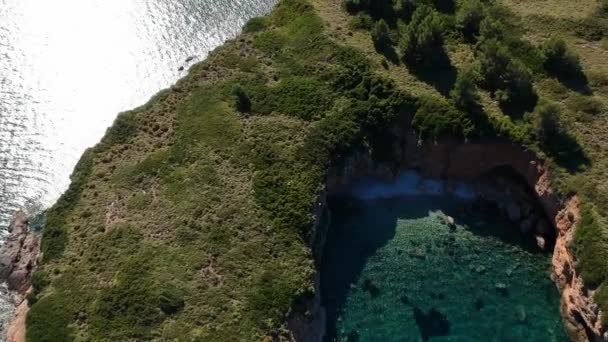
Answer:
(491, 28)
(437, 118)
(129, 307)
(422, 41)
(375, 8)
(469, 15)
(601, 298)
(54, 236)
(123, 128)
(354, 6)
(255, 24)
(49, 319)
(591, 246)
(304, 97)
(465, 94)
(380, 34)
(241, 99)
(510, 81)
(171, 300)
(554, 138)
(560, 60)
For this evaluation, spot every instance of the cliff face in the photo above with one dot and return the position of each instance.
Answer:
(458, 161)
(18, 258)
(17, 263)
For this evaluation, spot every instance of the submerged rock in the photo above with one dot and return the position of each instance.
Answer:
(521, 314)
(352, 336)
(502, 288)
(479, 304)
(431, 324)
(370, 287)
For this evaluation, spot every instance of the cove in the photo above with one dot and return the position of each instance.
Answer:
(394, 269)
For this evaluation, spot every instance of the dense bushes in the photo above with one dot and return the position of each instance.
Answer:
(469, 15)
(130, 306)
(255, 24)
(591, 245)
(50, 319)
(241, 99)
(465, 94)
(601, 298)
(437, 118)
(422, 41)
(555, 138)
(560, 61)
(380, 35)
(510, 81)
(54, 235)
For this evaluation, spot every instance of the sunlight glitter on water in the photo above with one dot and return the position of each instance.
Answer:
(68, 67)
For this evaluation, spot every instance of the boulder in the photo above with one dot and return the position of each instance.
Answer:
(18, 258)
(541, 242)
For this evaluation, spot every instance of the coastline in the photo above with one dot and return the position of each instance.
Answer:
(452, 162)
(17, 263)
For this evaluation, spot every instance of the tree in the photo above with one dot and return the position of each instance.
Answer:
(549, 127)
(491, 28)
(438, 118)
(560, 60)
(354, 6)
(422, 41)
(555, 139)
(469, 15)
(508, 79)
(465, 94)
(242, 101)
(380, 34)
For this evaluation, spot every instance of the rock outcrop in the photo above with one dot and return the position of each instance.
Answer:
(17, 263)
(581, 315)
(18, 258)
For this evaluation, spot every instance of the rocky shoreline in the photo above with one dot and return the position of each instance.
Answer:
(17, 263)
(532, 206)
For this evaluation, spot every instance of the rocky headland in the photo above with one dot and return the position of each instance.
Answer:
(17, 264)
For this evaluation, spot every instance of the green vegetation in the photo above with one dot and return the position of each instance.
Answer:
(592, 248)
(422, 41)
(381, 35)
(190, 220)
(242, 101)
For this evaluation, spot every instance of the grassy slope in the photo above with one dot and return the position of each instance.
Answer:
(188, 220)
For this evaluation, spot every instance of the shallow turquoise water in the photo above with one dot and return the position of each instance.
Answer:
(392, 271)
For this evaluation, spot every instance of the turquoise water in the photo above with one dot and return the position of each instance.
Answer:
(394, 271)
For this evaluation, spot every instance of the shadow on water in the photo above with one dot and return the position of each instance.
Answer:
(358, 246)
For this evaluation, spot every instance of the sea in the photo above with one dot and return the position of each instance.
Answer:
(68, 67)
